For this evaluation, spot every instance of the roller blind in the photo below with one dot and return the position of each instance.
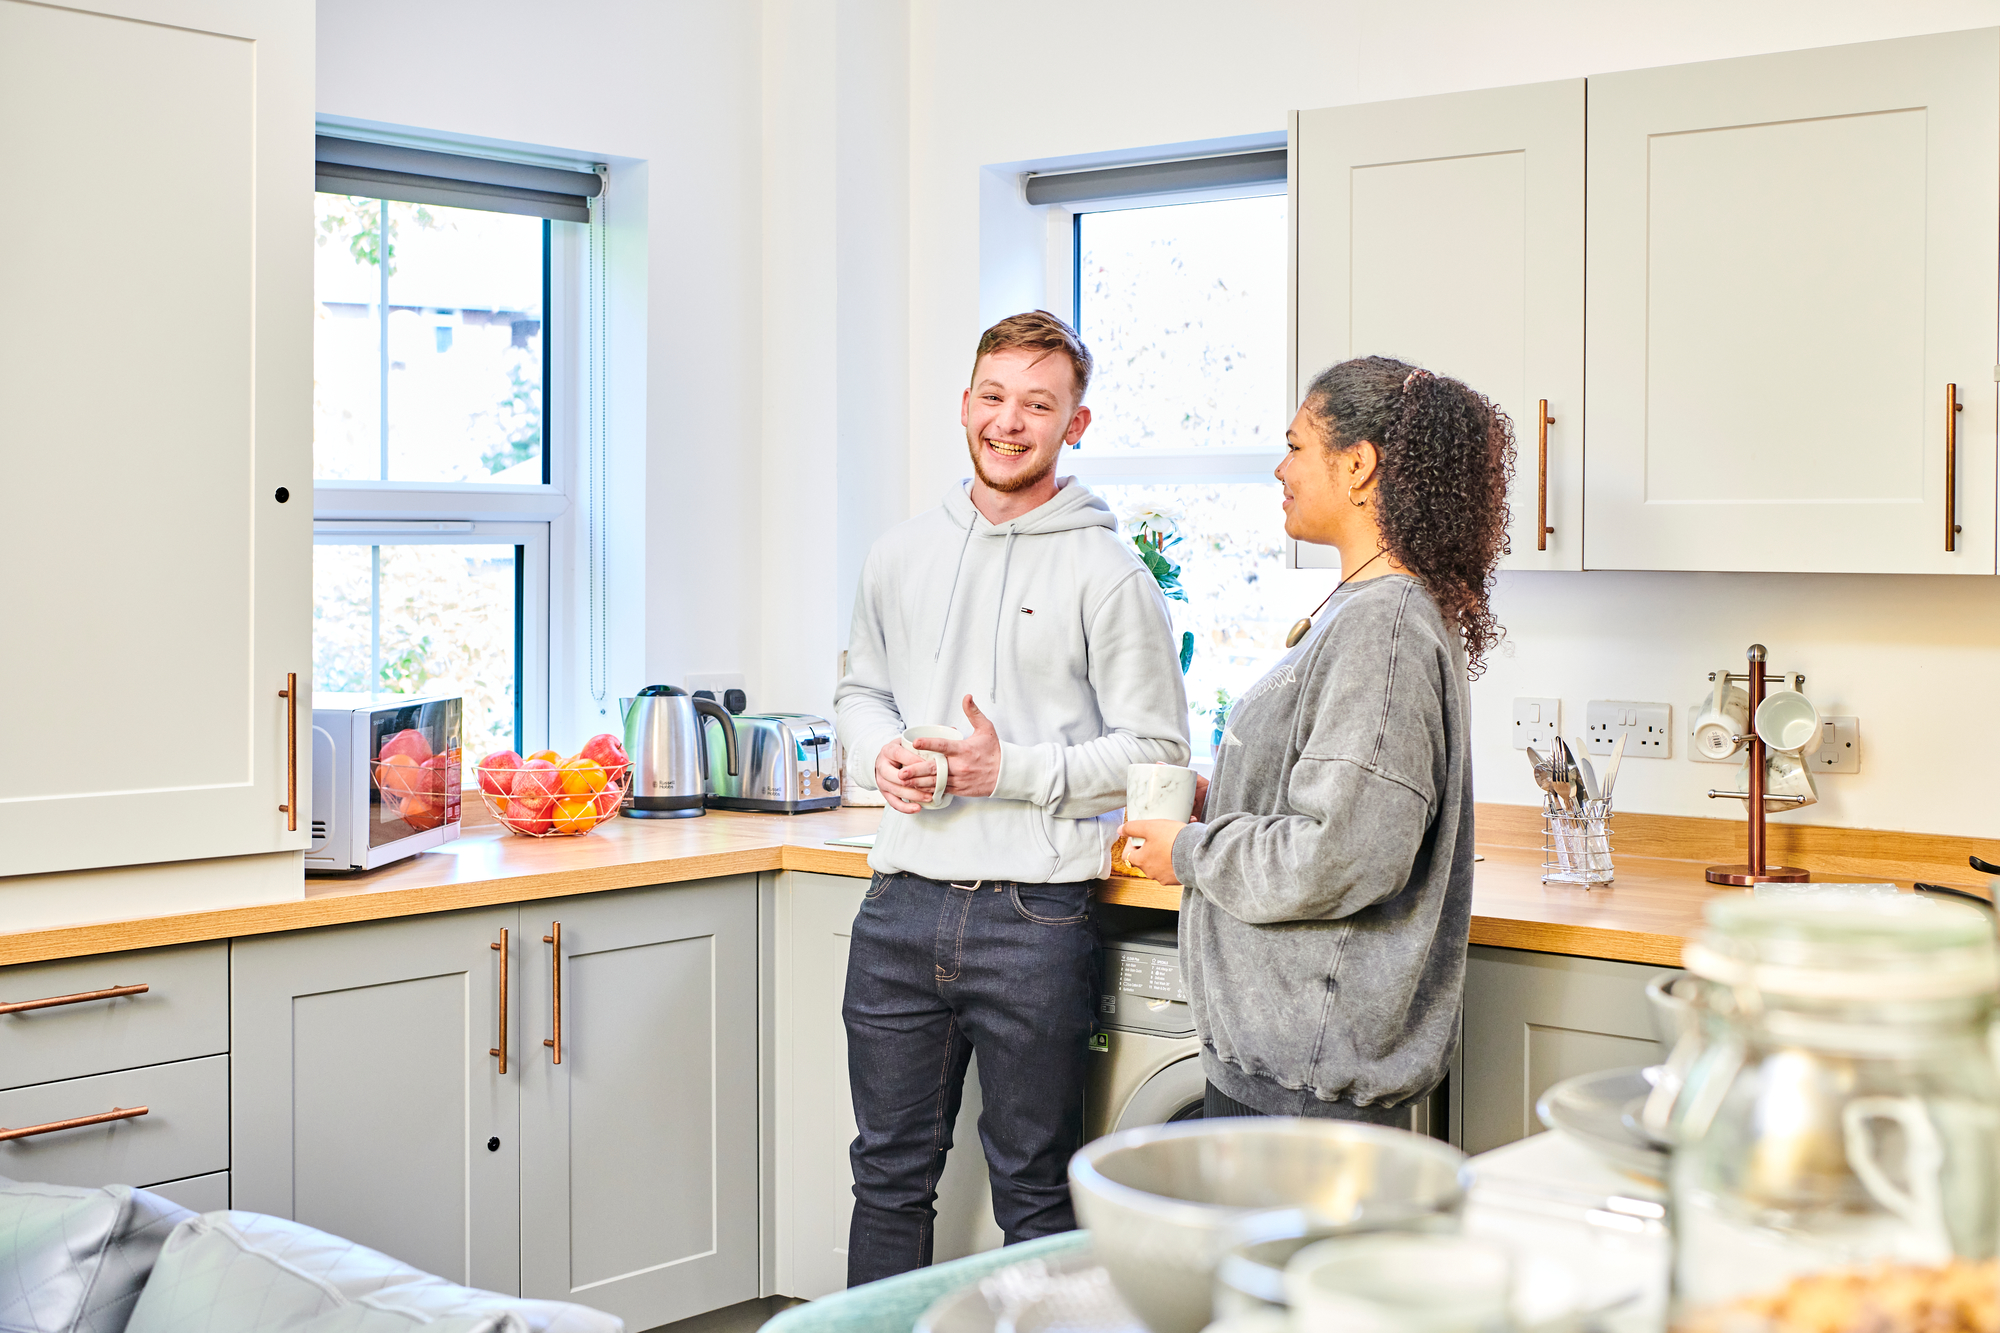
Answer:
(1264, 167)
(418, 176)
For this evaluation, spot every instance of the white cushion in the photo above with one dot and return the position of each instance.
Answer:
(73, 1260)
(222, 1272)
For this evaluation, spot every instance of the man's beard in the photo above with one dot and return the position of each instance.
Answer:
(1020, 483)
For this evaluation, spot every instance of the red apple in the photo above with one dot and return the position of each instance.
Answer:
(531, 815)
(440, 774)
(410, 742)
(496, 772)
(537, 778)
(608, 801)
(605, 750)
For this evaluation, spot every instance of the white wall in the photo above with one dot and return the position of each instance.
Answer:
(1057, 79)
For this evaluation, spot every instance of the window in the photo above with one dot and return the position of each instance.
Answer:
(1183, 305)
(438, 464)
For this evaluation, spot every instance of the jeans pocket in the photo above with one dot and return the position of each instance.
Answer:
(1051, 904)
(877, 886)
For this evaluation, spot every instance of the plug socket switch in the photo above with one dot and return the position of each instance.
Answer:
(1537, 723)
(1649, 725)
(1839, 746)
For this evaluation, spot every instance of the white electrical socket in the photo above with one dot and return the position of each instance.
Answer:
(715, 682)
(1537, 723)
(1650, 727)
(1839, 746)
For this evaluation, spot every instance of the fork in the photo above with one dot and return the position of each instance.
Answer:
(1561, 776)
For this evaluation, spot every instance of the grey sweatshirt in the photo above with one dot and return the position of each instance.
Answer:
(1058, 632)
(1329, 893)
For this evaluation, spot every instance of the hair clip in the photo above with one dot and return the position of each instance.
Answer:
(1413, 377)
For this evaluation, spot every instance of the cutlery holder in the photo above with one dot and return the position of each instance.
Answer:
(1576, 844)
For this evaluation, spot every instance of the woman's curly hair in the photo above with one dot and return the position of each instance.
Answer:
(1446, 457)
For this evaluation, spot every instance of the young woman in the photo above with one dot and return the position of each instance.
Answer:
(1328, 890)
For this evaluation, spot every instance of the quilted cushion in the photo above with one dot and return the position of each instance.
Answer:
(221, 1272)
(73, 1260)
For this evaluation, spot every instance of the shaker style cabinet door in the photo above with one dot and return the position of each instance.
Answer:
(364, 1099)
(639, 1150)
(1791, 259)
(156, 366)
(1448, 231)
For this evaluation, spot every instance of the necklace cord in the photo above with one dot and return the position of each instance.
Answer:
(1304, 627)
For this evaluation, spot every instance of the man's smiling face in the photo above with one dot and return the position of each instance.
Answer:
(1019, 413)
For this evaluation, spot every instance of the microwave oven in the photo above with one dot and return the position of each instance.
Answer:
(387, 773)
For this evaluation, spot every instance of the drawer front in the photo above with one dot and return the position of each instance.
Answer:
(197, 1194)
(183, 1013)
(184, 1133)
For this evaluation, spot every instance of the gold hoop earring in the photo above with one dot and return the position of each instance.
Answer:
(1358, 504)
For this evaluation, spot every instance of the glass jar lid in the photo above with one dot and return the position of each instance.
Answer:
(1842, 947)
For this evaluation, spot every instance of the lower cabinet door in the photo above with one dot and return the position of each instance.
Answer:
(1535, 1019)
(639, 1150)
(365, 1101)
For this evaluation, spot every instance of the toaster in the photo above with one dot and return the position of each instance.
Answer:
(787, 763)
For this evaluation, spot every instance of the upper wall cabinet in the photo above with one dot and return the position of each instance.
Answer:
(1791, 259)
(156, 366)
(1448, 231)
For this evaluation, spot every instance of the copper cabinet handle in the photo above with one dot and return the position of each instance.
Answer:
(555, 987)
(1952, 408)
(77, 1122)
(290, 694)
(1542, 423)
(81, 997)
(501, 1049)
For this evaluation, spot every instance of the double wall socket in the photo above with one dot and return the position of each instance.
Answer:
(1650, 727)
(1537, 722)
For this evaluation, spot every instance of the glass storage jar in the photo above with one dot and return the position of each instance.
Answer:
(1837, 1141)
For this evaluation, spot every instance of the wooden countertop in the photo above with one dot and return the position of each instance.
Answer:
(1656, 903)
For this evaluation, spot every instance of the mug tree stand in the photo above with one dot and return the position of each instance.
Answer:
(1754, 870)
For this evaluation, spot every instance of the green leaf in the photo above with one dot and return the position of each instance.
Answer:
(1187, 649)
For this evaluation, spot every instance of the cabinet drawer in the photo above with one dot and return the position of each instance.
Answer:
(184, 1133)
(197, 1194)
(183, 1013)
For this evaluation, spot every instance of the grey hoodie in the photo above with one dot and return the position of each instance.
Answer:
(1060, 635)
(1329, 893)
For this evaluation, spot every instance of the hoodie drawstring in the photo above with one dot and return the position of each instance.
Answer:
(1000, 614)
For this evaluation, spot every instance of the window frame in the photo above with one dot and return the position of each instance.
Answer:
(538, 519)
(1132, 467)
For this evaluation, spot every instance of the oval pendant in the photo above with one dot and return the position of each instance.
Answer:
(1299, 631)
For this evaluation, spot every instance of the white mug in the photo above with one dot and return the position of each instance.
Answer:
(939, 798)
(1158, 791)
(1723, 717)
(1788, 723)
(1785, 774)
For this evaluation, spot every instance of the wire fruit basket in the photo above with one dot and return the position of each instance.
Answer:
(556, 802)
(423, 793)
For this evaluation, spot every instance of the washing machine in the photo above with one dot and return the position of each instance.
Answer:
(1145, 1064)
(1145, 1059)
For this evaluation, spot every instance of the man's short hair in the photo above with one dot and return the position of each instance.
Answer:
(1038, 331)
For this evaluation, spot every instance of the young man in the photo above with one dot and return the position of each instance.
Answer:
(1014, 611)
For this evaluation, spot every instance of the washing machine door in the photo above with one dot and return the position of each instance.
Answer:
(1175, 1093)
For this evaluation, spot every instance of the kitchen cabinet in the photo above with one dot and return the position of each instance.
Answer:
(364, 1097)
(156, 363)
(1535, 1019)
(1791, 257)
(368, 1103)
(639, 1171)
(813, 1113)
(1449, 231)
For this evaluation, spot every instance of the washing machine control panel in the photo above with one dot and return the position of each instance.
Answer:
(1143, 990)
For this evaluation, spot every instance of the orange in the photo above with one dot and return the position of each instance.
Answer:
(575, 814)
(583, 776)
(549, 756)
(399, 775)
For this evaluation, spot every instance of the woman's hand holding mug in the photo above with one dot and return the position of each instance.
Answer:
(1160, 799)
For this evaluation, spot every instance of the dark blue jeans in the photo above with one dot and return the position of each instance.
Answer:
(936, 972)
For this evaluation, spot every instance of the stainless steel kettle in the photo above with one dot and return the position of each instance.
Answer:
(663, 735)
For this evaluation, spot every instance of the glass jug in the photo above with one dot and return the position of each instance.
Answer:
(1837, 1140)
